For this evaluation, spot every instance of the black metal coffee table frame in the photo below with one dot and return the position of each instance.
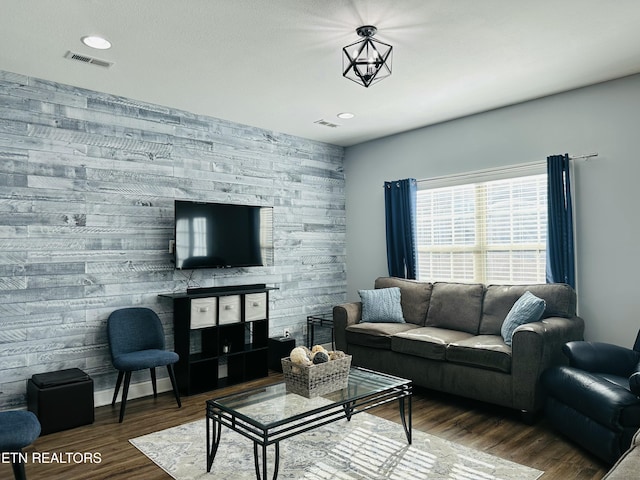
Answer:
(345, 403)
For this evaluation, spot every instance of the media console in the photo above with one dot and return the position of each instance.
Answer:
(221, 335)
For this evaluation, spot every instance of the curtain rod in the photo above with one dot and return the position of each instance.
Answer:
(586, 156)
(454, 178)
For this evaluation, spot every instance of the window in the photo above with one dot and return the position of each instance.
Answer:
(486, 231)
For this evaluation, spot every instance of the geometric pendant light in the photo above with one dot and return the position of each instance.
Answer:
(367, 61)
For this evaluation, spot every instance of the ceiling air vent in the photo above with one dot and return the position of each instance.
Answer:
(324, 123)
(87, 59)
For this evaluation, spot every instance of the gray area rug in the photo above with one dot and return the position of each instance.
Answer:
(367, 447)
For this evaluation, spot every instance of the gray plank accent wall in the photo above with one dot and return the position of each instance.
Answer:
(87, 184)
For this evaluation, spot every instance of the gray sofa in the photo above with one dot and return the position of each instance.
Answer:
(628, 465)
(451, 340)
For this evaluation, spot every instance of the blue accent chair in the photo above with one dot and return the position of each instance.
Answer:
(18, 429)
(136, 342)
(595, 400)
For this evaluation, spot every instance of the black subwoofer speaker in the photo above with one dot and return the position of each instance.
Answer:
(279, 348)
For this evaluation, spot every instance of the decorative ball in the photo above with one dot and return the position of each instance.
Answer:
(320, 357)
(299, 356)
(318, 348)
(336, 354)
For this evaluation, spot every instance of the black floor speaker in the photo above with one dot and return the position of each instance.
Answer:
(279, 347)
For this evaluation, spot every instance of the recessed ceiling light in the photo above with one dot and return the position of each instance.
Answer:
(94, 41)
(345, 115)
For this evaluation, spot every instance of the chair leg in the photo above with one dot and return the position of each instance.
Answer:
(153, 382)
(18, 470)
(118, 383)
(172, 377)
(125, 392)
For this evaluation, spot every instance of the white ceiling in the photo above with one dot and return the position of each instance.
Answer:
(276, 64)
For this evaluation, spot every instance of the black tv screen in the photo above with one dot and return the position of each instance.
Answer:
(221, 235)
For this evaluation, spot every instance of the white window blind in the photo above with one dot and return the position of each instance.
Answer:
(486, 231)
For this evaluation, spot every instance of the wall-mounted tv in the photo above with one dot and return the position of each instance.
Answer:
(222, 235)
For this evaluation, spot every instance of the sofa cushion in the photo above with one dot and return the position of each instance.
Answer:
(456, 306)
(427, 342)
(527, 309)
(498, 300)
(483, 351)
(414, 299)
(381, 305)
(375, 335)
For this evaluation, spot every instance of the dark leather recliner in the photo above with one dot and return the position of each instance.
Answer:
(595, 400)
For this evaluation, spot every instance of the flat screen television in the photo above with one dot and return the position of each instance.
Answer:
(222, 235)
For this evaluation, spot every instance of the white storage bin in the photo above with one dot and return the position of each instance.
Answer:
(229, 309)
(203, 312)
(255, 306)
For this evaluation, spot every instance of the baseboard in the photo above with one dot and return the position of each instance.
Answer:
(137, 390)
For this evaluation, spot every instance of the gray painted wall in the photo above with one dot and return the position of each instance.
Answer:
(603, 118)
(87, 184)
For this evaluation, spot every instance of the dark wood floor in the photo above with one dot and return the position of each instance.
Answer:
(484, 427)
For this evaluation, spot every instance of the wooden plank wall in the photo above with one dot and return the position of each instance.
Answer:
(87, 184)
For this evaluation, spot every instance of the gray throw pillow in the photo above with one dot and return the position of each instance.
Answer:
(528, 308)
(381, 305)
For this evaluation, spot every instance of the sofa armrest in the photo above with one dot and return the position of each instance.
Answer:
(344, 315)
(628, 465)
(536, 346)
(601, 357)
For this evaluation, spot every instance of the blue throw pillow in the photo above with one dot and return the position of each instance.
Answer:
(634, 383)
(528, 308)
(381, 305)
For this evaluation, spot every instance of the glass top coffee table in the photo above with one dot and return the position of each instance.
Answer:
(271, 414)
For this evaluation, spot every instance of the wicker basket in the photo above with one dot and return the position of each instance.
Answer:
(316, 380)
